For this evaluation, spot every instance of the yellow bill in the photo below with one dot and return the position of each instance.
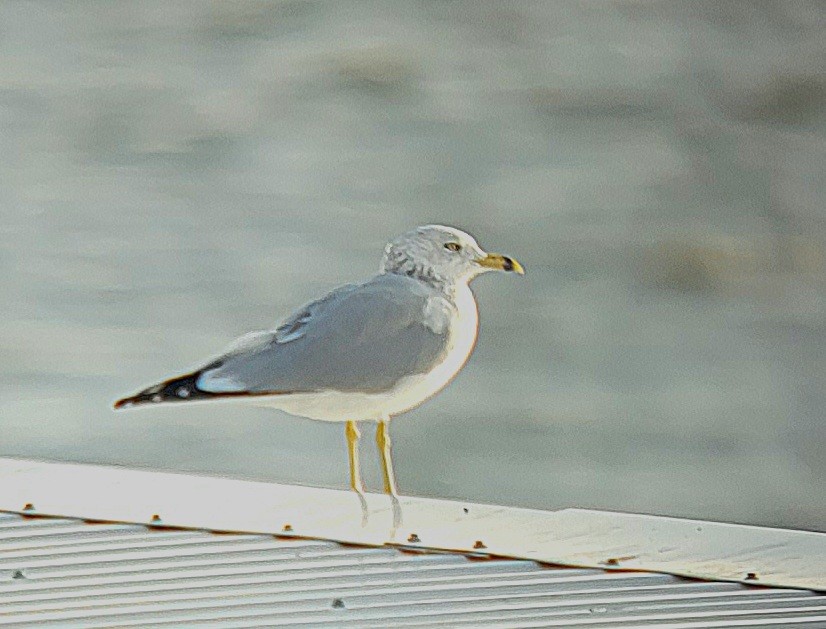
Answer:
(500, 263)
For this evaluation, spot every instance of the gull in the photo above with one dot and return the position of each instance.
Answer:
(363, 352)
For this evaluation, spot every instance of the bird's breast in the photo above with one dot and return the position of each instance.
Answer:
(414, 390)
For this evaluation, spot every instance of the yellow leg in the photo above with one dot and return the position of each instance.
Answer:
(384, 445)
(353, 435)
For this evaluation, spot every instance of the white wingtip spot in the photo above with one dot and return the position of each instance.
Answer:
(210, 382)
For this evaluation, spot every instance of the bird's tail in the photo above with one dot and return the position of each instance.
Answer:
(180, 389)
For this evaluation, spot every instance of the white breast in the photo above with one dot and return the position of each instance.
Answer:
(406, 394)
(412, 391)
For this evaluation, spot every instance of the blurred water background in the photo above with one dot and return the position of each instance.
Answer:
(175, 174)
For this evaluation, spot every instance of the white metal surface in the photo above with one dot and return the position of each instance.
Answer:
(67, 573)
(571, 537)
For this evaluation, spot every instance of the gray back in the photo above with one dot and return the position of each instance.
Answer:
(362, 338)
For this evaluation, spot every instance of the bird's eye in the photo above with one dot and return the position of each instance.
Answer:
(453, 246)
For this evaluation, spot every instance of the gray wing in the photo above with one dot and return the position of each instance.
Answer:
(358, 338)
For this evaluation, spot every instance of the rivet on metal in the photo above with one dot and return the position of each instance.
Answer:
(615, 561)
(155, 518)
(479, 545)
(751, 576)
(338, 603)
(413, 539)
(287, 528)
(28, 507)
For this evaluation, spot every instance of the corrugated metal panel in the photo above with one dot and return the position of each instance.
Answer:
(67, 573)
(573, 537)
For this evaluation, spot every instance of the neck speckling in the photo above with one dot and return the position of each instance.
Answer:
(426, 274)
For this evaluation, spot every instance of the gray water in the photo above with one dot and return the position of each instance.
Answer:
(175, 174)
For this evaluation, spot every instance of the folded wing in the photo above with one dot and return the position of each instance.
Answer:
(361, 338)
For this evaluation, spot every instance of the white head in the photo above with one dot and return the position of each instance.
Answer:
(443, 256)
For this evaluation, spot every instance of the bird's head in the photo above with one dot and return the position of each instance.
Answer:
(442, 255)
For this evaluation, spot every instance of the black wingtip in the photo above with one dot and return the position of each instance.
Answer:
(123, 403)
(181, 389)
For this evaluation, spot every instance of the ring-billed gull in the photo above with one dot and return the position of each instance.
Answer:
(363, 352)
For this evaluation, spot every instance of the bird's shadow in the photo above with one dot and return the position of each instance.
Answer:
(396, 509)
(397, 514)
